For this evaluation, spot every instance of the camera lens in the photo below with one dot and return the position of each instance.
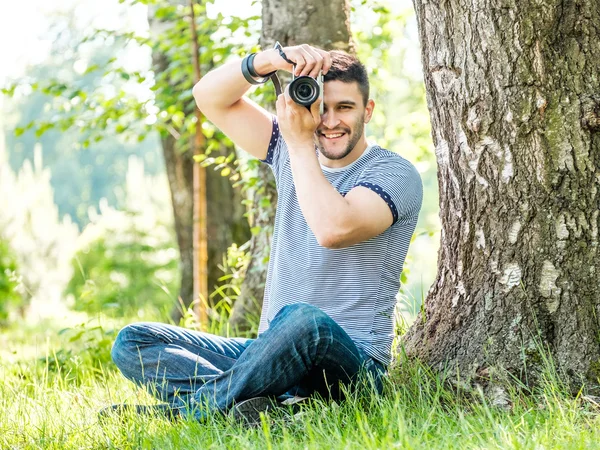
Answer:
(304, 90)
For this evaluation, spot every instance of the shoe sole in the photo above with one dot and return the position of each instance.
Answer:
(248, 411)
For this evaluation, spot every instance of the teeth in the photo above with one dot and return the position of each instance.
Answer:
(332, 136)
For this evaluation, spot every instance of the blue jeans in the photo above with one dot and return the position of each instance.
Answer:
(303, 352)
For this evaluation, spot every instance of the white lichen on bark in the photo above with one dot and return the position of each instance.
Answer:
(480, 239)
(513, 233)
(547, 286)
(561, 228)
(511, 276)
(442, 152)
(460, 292)
(507, 169)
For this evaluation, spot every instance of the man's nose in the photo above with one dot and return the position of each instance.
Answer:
(330, 120)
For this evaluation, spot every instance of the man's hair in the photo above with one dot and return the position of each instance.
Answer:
(348, 69)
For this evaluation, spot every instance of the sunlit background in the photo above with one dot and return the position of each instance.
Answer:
(59, 196)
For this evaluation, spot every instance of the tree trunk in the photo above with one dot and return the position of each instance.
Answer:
(179, 167)
(322, 24)
(513, 90)
(225, 223)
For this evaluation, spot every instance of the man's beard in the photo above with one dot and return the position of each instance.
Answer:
(355, 135)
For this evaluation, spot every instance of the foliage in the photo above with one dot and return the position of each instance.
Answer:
(384, 37)
(84, 169)
(127, 259)
(223, 297)
(135, 103)
(9, 297)
(234, 266)
(85, 352)
(43, 244)
(121, 277)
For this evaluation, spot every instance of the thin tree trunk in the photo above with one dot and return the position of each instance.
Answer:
(322, 24)
(199, 186)
(514, 94)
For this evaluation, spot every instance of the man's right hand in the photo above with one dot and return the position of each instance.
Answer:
(220, 95)
(308, 60)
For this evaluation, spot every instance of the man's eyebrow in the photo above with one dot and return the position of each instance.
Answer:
(344, 103)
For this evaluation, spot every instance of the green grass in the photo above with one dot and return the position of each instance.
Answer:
(53, 385)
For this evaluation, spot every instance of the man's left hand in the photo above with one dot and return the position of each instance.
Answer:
(296, 123)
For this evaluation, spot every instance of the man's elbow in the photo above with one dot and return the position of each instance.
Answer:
(199, 95)
(331, 240)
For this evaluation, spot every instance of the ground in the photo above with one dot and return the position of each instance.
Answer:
(55, 380)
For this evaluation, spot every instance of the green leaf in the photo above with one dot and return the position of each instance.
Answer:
(225, 172)
(91, 69)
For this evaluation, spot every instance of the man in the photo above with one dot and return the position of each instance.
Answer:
(346, 212)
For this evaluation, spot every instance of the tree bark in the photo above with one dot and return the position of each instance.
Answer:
(322, 24)
(513, 90)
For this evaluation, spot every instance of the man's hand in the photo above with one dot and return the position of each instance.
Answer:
(308, 60)
(296, 123)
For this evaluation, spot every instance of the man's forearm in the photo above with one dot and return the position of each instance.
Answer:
(225, 85)
(323, 207)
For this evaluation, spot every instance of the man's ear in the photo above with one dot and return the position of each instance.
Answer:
(369, 110)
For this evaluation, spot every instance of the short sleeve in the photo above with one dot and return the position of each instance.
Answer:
(397, 182)
(277, 150)
(272, 142)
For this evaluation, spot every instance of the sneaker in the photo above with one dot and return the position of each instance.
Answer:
(162, 410)
(248, 411)
(294, 404)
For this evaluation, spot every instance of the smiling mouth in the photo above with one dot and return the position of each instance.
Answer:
(332, 136)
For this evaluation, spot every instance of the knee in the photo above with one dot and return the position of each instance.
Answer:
(303, 317)
(125, 349)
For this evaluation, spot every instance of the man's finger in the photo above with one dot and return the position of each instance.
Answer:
(300, 63)
(288, 98)
(280, 104)
(326, 59)
(313, 61)
(318, 66)
(315, 110)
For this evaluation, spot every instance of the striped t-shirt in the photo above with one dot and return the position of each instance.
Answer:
(356, 285)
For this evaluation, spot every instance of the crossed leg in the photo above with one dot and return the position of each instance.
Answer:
(303, 351)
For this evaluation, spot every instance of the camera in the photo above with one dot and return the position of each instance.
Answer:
(306, 90)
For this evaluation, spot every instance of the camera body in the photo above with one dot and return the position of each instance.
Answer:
(306, 90)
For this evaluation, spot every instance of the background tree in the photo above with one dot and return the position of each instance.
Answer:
(322, 24)
(109, 107)
(514, 97)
